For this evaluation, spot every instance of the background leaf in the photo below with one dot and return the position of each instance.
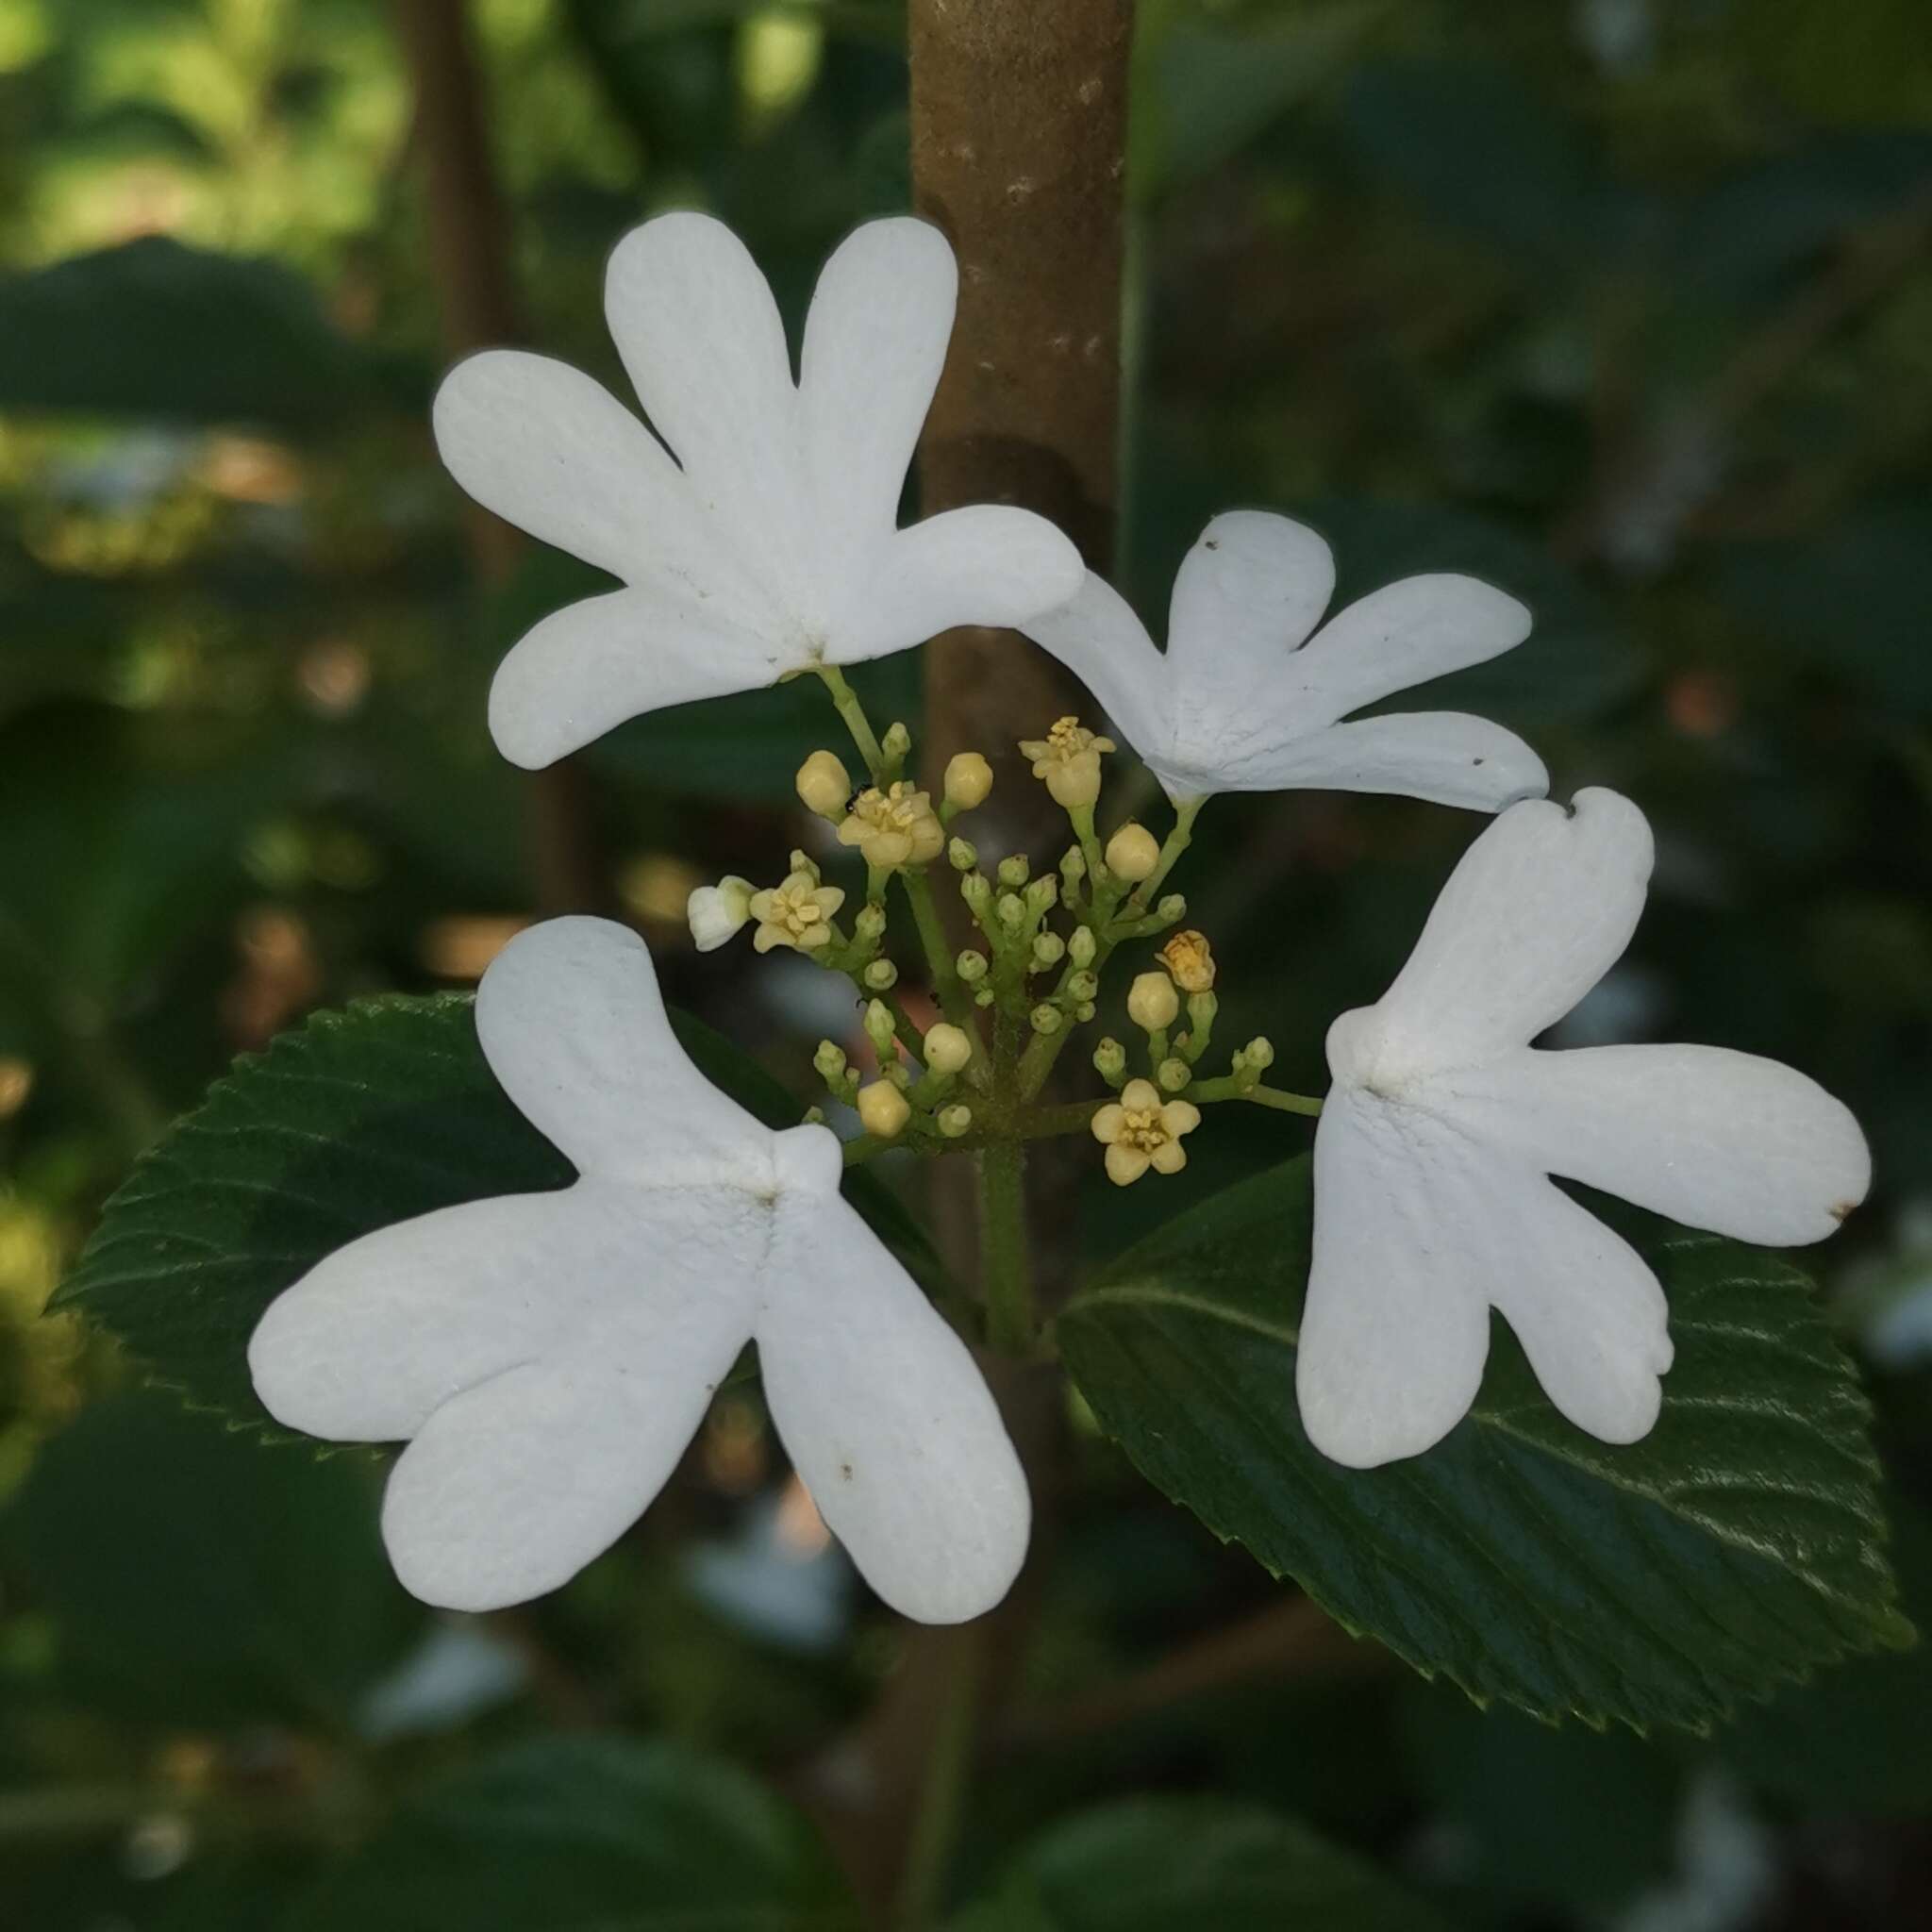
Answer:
(1736, 1547)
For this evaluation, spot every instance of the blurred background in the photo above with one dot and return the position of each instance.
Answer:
(1624, 303)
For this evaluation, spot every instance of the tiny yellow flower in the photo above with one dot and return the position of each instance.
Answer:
(797, 914)
(1067, 758)
(1132, 854)
(823, 785)
(1190, 962)
(1152, 1003)
(896, 826)
(969, 779)
(1141, 1130)
(883, 1109)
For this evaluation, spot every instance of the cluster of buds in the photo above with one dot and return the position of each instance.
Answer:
(901, 1100)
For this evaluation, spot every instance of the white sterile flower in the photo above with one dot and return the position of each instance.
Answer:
(770, 543)
(1433, 1157)
(548, 1356)
(717, 913)
(1244, 699)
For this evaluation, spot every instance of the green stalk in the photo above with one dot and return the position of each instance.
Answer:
(1009, 1321)
(1228, 1088)
(954, 1001)
(849, 708)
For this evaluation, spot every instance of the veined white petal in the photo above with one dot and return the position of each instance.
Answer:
(888, 1420)
(376, 1336)
(512, 1486)
(1405, 634)
(1249, 592)
(985, 564)
(572, 1024)
(1537, 911)
(701, 340)
(587, 668)
(1713, 1138)
(1097, 637)
(1396, 1326)
(875, 342)
(1448, 758)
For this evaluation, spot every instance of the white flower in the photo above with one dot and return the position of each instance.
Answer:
(1433, 1201)
(717, 914)
(1244, 699)
(548, 1356)
(770, 543)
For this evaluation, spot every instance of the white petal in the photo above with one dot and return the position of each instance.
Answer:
(1252, 588)
(372, 1340)
(1715, 1139)
(1445, 756)
(554, 453)
(1097, 637)
(875, 342)
(572, 1024)
(1539, 909)
(703, 342)
(1406, 634)
(717, 914)
(1396, 1327)
(887, 1419)
(512, 1486)
(589, 667)
(985, 564)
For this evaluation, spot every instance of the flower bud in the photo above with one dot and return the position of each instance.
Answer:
(1190, 960)
(1152, 1003)
(1015, 871)
(896, 743)
(805, 862)
(1174, 1075)
(967, 780)
(1048, 950)
(881, 976)
(1082, 986)
(970, 966)
(813, 1117)
(825, 786)
(947, 1048)
(1085, 1011)
(954, 1120)
(976, 889)
(1073, 865)
(1132, 854)
(1046, 1018)
(961, 854)
(984, 997)
(1171, 909)
(869, 923)
(1082, 946)
(1012, 911)
(1111, 1061)
(1259, 1054)
(883, 1109)
(878, 1029)
(1042, 895)
(718, 912)
(830, 1062)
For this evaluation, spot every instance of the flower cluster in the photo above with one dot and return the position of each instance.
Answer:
(548, 1356)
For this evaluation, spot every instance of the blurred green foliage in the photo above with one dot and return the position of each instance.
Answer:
(1625, 304)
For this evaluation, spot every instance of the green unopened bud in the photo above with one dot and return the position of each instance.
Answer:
(1073, 864)
(1172, 908)
(1015, 871)
(1046, 1018)
(1082, 946)
(1048, 950)
(878, 1029)
(1203, 1008)
(895, 743)
(984, 997)
(1085, 1011)
(976, 889)
(1111, 1061)
(1012, 911)
(869, 923)
(881, 976)
(970, 966)
(1259, 1054)
(1042, 895)
(814, 1117)
(830, 1062)
(961, 854)
(954, 1120)
(1174, 1075)
(1082, 986)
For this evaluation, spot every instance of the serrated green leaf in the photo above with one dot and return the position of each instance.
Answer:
(355, 1120)
(1735, 1548)
(587, 1834)
(200, 1578)
(1152, 1864)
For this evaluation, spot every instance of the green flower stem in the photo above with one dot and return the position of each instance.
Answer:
(1228, 1088)
(942, 1809)
(955, 1003)
(1082, 817)
(1010, 1320)
(849, 708)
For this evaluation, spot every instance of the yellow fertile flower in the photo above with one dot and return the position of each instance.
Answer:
(896, 826)
(1141, 1130)
(797, 914)
(1190, 961)
(1067, 758)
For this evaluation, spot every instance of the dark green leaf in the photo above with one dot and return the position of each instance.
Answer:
(1154, 1864)
(200, 1577)
(155, 328)
(358, 1119)
(590, 1835)
(1735, 1548)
